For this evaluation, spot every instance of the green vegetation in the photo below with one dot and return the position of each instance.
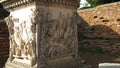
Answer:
(89, 53)
(108, 1)
(94, 3)
(83, 53)
(93, 58)
(97, 51)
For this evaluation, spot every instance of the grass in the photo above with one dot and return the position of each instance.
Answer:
(94, 58)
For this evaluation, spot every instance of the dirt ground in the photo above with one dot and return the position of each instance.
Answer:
(94, 59)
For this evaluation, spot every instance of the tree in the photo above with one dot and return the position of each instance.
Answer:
(95, 3)
(108, 1)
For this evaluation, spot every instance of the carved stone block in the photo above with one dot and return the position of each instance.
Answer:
(43, 34)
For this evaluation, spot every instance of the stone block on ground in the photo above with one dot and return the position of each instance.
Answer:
(109, 65)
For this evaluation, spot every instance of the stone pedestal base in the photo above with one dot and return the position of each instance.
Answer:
(16, 63)
(54, 63)
(44, 32)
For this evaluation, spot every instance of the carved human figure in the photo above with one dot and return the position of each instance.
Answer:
(57, 33)
(18, 41)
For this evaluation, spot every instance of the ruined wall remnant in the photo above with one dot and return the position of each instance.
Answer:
(101, 26)
(4, 37)
(4, 44)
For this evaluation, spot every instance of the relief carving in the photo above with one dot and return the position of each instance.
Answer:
(58, 36)
(22, 38)
(10, 25)
(43, 35)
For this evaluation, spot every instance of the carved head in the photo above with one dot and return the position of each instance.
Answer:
(3, 12)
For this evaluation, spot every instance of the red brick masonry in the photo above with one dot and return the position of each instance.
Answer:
(100, 27)
(4, 44)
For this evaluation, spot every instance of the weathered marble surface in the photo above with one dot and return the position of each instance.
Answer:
(43, 34)
(22, 35)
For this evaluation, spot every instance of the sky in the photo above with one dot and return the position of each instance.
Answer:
(82, 3)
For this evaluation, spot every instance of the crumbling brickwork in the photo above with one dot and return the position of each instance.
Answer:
(4, 43)
(101, 27)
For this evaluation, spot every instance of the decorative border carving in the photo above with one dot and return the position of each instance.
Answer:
(18, 3)
(64, 3)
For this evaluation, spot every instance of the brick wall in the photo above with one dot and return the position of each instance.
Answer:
(101, 27)
(4, 43)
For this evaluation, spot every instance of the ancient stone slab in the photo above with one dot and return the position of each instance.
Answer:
(109, 65)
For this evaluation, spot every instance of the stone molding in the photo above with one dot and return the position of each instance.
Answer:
(65, 3)
(16, 3)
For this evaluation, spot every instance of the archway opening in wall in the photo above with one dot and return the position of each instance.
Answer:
(4, 43)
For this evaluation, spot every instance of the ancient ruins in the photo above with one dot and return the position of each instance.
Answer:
(101, 28)
(4, 37)
(42, 33)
